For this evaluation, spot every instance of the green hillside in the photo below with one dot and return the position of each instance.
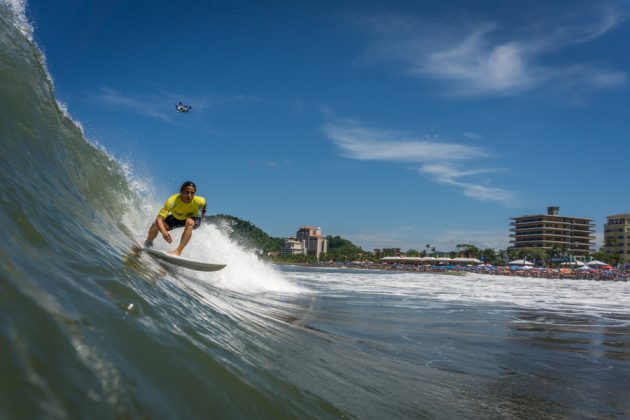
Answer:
(249, 236)
(245, 233)
(340, 249)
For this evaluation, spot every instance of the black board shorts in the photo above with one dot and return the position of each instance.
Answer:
(175, 223)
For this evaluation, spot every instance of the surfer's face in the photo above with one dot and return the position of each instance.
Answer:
(187, 194)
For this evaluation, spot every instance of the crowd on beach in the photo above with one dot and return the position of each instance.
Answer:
(520, 271)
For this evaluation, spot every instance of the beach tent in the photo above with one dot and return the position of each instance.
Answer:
(520, 262)
(596, 263)
(465, 260)
(584, 268)
(572, 263)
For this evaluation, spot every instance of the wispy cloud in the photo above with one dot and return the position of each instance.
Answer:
(449, 175)
(145, 105)
(160, 105)
(271, 164)
(359, 142)
(440, 161)
(472, 136)
(487, 58)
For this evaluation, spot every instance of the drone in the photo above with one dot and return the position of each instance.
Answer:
(180, 107)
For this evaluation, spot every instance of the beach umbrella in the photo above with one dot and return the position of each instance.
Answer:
(520, 262)
(584, 268)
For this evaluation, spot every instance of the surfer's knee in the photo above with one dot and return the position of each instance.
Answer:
(190, 223)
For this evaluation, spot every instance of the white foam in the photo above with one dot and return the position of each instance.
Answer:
(595, 298)
(18, 7)
(245, 272)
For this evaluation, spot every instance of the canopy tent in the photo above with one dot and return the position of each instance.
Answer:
(585, 268)
(520, 262)
(596, 263)
(572, 263)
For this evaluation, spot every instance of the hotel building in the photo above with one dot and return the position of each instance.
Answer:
(617, 236)
(573, 235)
(308, 241)
(314, 243)
(293, 247)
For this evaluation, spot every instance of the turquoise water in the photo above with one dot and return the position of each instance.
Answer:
(88, 329)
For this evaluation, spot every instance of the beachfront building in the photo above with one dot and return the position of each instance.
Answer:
(617, 236)
(314, 243)
(573, 236)
(293, 247)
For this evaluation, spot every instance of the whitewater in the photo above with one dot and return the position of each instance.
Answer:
(91, 329)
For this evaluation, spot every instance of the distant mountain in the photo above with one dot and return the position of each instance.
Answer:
(246, 233)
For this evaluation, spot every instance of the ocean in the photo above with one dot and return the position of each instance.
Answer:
(90, 329)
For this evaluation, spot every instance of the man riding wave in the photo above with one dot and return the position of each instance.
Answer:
(180, 210)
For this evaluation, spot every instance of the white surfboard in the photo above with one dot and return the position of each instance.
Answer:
(184, 262)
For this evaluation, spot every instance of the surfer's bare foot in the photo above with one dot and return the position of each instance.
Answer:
(175, 252)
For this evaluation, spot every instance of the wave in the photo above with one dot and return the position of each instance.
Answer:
(90, 328)
(83, 317)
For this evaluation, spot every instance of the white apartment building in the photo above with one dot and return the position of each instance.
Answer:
(292, 246)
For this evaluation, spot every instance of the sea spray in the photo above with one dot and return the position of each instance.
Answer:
(245, 271)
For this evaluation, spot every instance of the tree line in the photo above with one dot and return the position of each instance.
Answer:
(249, 236)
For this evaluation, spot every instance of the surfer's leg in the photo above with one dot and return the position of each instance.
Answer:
(153, 231)
(188, 228)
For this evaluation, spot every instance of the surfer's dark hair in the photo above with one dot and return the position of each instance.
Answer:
(187, 184)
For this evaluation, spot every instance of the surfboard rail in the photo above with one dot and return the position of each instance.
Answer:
(184, 262)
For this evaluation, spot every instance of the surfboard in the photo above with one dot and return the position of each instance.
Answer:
(184, 262)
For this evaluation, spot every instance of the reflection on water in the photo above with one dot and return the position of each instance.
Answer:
(449, 356)
(565, 365)
(601, 338)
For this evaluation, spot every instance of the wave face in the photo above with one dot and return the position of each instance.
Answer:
(91, 329)
(86, 325)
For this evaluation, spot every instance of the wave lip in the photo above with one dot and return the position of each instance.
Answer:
(21, 22)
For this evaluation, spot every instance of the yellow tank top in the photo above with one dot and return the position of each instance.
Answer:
(181, 210)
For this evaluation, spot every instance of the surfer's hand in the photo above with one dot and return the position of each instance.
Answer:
(167, 237)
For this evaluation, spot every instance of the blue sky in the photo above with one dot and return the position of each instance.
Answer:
(392, 124)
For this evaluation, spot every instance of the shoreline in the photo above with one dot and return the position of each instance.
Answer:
(546, 273)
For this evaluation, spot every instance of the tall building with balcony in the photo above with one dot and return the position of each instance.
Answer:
(314, 243)
(572, 235)
(617, 236)
(293, 247)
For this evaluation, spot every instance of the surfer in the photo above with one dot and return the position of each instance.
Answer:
(179, 210)
(180, 107)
